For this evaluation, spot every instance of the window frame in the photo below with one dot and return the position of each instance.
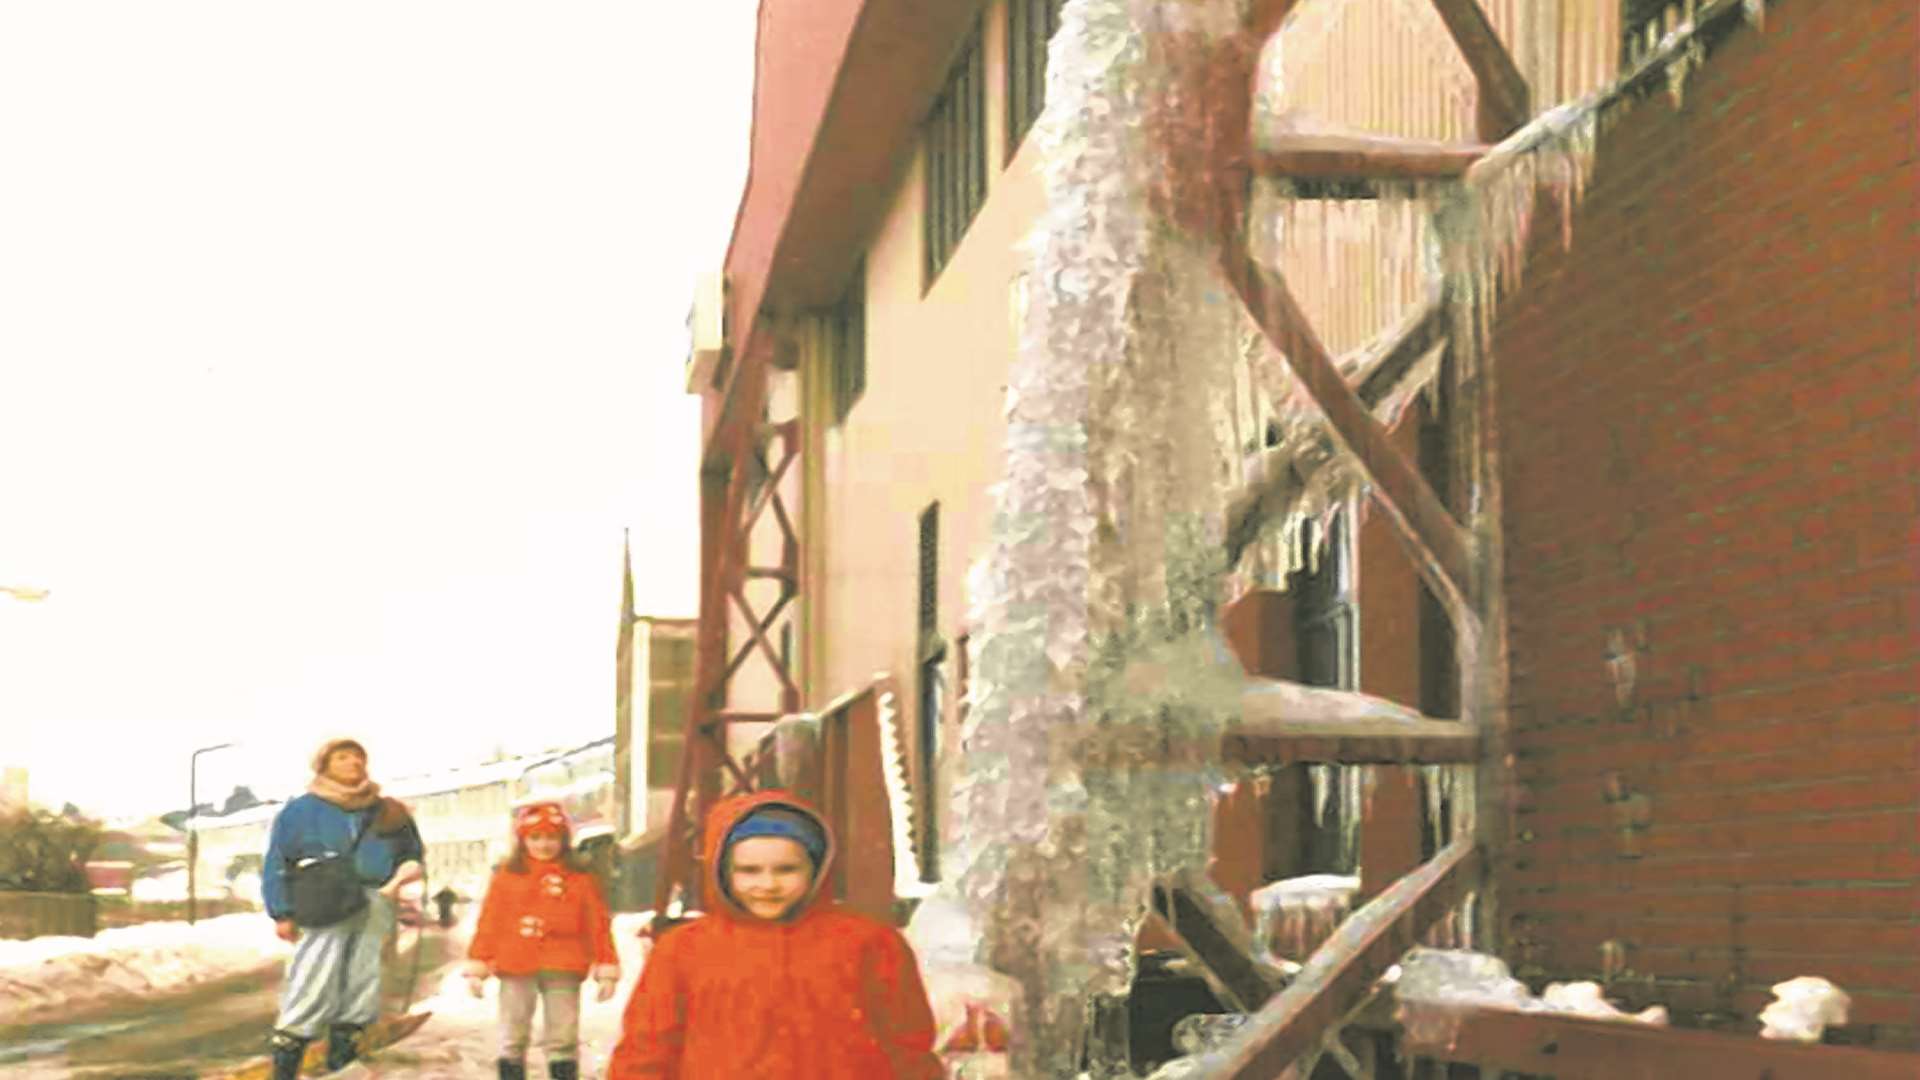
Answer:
(930, 690)
(847, 346)
(1031, 25)
(954, 152)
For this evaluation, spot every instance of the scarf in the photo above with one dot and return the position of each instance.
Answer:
(358, 797)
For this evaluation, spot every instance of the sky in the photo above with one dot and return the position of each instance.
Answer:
(338, 345)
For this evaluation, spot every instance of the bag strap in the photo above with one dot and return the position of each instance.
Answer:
(366, 827)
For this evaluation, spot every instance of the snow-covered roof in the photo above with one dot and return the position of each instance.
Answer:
(252, 815)
(460, 776)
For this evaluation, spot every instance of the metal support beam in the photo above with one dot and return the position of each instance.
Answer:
(1227, 966)
(1356, 156)
(1339, 975)
(1505, 102)
(1274, 482)
(1425, 742)
(1430, 530)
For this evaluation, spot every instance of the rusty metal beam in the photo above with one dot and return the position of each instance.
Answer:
(1430, 530)
(1579, 1048)
(759, 633)
(1274, 482)
(1426, 742)
(1227, 966)
(1355, 156)
(1341, 972)
(1505, 101)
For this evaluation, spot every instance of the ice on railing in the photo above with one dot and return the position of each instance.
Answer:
(1293, 916)
(1803, 1008)
(1436, 987)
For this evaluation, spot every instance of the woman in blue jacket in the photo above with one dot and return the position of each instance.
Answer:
(333, 983)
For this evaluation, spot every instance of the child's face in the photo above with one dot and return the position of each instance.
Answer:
(543, 845)
(768, 875)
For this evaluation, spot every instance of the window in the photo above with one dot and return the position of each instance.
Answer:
(956, 139)
(1030, 25)
(1326, 632)
(1325, 615)
(849, 346)
(931, 680)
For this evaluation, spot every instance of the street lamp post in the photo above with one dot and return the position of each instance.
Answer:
(193, 826)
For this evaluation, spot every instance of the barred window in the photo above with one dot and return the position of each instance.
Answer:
(956, 137)
(1030, 25)
(849, 346)
(931, 680)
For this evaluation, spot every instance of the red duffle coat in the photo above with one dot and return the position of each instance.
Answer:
(550, 918)
(826, 994)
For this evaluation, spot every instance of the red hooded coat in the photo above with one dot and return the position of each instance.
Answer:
(826, 994)
(550, 918)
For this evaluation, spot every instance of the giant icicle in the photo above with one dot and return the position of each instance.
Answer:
(1093, 724)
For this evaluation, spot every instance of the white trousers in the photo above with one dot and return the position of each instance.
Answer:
(558, 994)
(335, 974)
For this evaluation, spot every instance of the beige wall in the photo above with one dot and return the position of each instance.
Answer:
(929, 427)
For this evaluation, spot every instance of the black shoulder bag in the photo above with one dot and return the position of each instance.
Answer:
(327, 890)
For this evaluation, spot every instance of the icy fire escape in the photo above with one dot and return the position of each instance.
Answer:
(1294, 1022)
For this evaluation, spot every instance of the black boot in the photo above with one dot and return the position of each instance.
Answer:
(512, 1070)
(343, 1045)
(563, 1070)
(287, 1051)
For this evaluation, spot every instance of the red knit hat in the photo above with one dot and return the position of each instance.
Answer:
(541, 816)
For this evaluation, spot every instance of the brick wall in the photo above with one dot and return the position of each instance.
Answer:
(1708, 413)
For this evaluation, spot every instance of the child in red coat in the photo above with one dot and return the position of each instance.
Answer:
(543, 929)
(775, 981)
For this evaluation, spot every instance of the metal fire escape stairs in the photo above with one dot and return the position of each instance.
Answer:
(1292, 1029)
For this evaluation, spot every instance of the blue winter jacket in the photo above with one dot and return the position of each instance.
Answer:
(310, 827)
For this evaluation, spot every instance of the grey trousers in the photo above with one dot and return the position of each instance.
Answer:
(335, 974)
(558, 994)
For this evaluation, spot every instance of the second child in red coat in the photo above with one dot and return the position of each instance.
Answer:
(544, 928)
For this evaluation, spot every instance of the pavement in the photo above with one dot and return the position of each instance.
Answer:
(462, 1038)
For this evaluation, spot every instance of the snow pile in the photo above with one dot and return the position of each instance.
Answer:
(160, 888)
(1802, 1008)
(1436, 987)
(61, 977)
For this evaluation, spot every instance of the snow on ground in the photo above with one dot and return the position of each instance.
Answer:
(462, 1039)
(48, 978)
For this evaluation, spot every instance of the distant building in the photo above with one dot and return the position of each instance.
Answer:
(647, 766)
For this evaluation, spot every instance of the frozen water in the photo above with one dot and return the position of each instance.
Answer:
(1294, 915)
(1095, 709)
(1436, 987)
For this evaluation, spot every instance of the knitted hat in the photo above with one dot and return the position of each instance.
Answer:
(539, 817)
(327, 748)
(786, 824)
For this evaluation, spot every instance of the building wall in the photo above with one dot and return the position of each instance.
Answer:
(930, 424)
(1707, 422)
